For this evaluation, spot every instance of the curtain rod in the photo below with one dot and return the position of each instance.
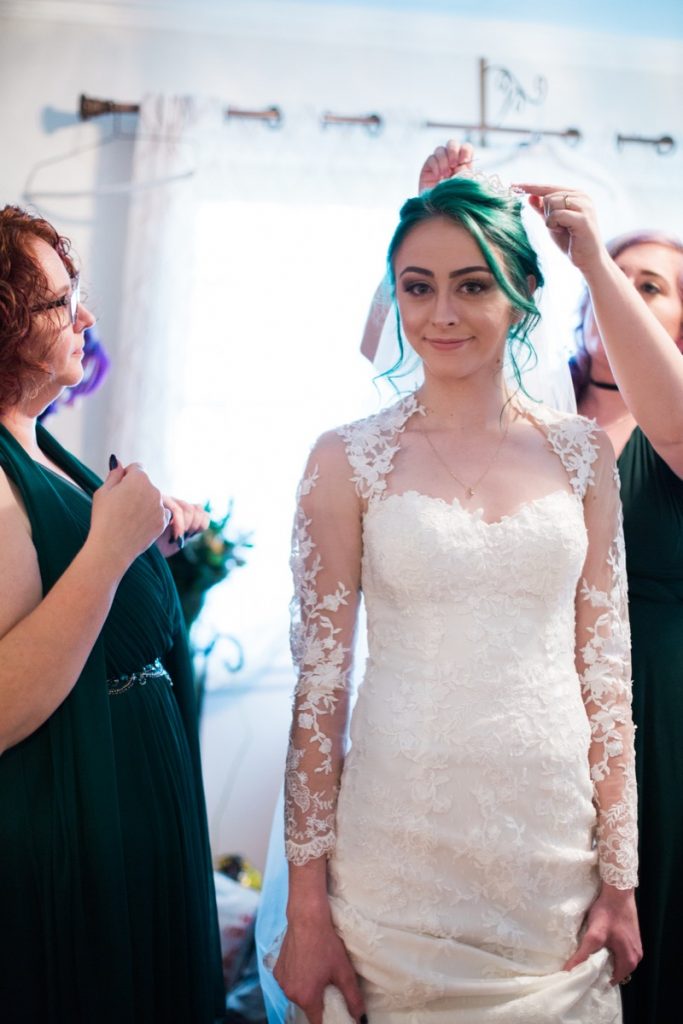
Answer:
(572, 135)
(90, 107)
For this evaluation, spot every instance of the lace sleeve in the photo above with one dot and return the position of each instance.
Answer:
(604, 666)
(326, 555)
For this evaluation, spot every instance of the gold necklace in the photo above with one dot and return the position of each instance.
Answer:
(469, 489)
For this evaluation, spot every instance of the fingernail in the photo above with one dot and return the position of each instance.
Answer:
(180, 542)
(113, 462)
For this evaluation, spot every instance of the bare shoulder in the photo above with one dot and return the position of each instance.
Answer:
(20, 583)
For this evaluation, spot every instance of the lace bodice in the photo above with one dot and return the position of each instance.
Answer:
(480, 607)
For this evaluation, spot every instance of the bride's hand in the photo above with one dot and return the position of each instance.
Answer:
(571, 221)
(445, 162)
(313, 957)
(612, 922)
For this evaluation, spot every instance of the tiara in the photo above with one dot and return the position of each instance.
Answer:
(495, 184)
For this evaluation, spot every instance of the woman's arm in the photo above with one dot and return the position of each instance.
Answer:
(45, 641)
(604, 665)
(645, 360)
(326, 557)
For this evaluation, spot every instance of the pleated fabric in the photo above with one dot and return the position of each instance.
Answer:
(107, 904)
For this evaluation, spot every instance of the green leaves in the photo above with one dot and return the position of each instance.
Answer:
(205, 560)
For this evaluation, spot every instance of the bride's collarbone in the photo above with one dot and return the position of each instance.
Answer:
(525, 470)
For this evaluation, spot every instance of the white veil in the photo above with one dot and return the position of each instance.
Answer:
(548, 380)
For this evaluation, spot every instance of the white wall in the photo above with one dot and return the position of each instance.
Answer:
(311, 57)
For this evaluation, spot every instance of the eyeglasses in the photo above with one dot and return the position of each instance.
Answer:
(70, 301)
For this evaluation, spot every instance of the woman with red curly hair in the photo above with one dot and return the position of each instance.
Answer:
(108, 910)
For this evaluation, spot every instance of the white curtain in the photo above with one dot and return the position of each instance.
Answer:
(292, 236)
(171, 155)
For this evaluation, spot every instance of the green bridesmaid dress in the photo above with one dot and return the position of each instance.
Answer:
(652, 496)
(107, 906)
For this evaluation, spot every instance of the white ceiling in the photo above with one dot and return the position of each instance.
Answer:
(661, 19)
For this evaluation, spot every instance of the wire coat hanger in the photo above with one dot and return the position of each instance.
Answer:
(32, 195)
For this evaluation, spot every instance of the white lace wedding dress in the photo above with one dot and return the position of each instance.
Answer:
(489, 783)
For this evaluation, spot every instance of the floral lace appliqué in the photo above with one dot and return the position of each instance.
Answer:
(603, 644)
(319, 654)
(372, 444)
(321, 647)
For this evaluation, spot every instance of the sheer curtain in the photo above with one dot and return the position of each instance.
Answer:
(290, 238)
(170, 158)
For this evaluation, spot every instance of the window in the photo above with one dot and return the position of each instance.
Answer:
(278, 309)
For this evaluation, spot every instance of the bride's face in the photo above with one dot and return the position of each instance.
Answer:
(453, 312)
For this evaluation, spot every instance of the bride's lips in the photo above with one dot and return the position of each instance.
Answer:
(448, 343)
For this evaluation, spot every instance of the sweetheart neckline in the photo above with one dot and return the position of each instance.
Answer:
(477, 515)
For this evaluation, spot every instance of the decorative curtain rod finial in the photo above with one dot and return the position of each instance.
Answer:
(663, 144)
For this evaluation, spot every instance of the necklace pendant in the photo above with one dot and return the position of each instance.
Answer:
(469, 491)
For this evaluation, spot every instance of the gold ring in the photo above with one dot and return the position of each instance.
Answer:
(566, 201)
(625, 981)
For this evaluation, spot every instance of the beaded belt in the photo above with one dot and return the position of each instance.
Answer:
(122, 683)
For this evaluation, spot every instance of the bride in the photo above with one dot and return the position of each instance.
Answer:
(472, 857)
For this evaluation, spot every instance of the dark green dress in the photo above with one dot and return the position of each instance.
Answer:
(107, 906)
(652, 496)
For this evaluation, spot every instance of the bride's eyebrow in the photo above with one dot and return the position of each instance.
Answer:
(454, 273)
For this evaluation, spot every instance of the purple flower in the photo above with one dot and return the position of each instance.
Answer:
(95, 367)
